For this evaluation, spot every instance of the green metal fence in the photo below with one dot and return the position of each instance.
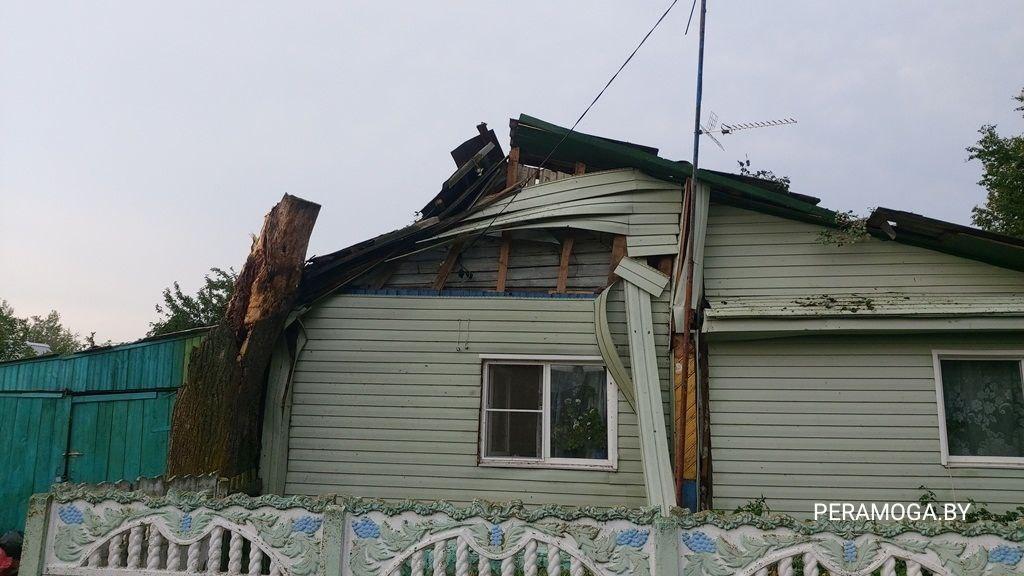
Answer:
(95, 416)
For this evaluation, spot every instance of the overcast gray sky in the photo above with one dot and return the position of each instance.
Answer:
(141, 142)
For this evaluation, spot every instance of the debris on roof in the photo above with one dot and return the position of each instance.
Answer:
(881, 304)
(483, 177)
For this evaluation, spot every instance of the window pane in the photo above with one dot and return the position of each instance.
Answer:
(579, 412)
(515, 386)
(984, 402)
(513, 434)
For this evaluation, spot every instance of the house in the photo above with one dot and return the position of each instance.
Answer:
(526, 338)
(39, 348)
(99, 415)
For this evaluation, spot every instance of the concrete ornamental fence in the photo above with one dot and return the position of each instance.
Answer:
(83, 531)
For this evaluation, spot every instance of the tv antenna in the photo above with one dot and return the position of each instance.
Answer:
(713, 127)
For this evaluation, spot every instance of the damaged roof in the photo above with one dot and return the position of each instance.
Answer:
(480, 179)
(956, 239)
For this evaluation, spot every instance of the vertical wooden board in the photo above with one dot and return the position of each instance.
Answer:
(141, 369)
(62, 439)
(504, 253)
(690, 425)
(563, 264)
(618, 253)
(161, 434)
(134, 365)
(81, 419)
(24, 448)
(94, 372)
(122, 376)
(154, 369)
(155, 433)
(16, 378)
(175, 361)
(23, 444)
(8, 497)
(169, 354)
(133, 444)
(98, 457)
(103, 371)
(79, 373)
(83, 440)
(150, 420)
(48, 444)
(117, 454)
(512, 169)
(162, 373)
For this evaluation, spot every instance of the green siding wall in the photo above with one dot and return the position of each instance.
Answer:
(386, 398)
(836, 418)
(854, 418)
(120, 429)
(748, 254)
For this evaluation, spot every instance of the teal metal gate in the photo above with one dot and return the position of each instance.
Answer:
(96, 416)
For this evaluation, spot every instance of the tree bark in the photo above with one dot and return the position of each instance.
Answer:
(215, 426)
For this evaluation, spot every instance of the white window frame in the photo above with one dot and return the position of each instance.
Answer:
(546, 461)
(953, 461)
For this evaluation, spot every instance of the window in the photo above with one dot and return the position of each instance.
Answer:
(981, 408)
(550, 412)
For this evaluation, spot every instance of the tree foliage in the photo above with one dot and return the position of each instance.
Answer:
(49, 330)
(1002, 161)
(206, 307)
(781, 182)
(12, 332)
(15, 332)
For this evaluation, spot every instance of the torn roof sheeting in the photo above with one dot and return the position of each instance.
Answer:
(480, 162)
(480, 175)
(955, 239)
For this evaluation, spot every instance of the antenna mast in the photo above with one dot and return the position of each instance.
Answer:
(700, 86)
(692, 501)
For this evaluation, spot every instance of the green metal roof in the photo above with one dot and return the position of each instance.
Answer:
(537, 138)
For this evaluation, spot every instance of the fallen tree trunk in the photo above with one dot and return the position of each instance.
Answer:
(215, 426)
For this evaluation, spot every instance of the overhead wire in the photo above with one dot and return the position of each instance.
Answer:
(539, 167)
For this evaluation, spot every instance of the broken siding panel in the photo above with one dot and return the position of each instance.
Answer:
(387, 398)
(753, 254)
(623, 202)
(818, 419)
(660, 309)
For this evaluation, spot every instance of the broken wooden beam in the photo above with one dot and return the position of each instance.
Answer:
(446, 267)
(618, 253)
(512, 171)
(215, 425)
(563, 265)
(503, 258)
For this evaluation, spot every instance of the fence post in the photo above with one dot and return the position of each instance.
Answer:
(33, 554)
(334, 540)
(666, 548)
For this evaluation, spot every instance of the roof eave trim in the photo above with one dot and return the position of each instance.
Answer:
(753, 328)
